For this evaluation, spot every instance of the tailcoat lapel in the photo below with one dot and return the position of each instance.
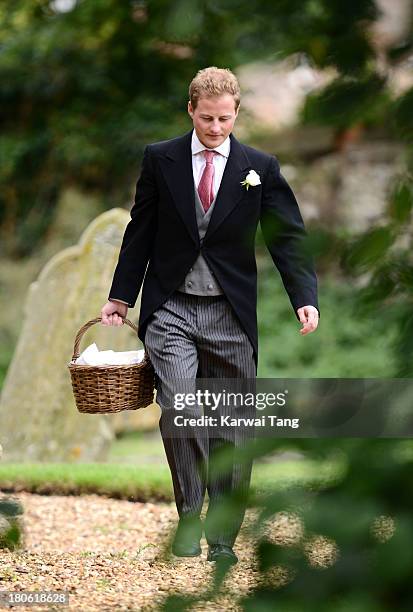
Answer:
(176, 165)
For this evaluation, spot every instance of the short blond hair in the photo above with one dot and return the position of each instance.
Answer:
(213, 81)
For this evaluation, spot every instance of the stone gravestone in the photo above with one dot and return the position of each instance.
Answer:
(39, 420)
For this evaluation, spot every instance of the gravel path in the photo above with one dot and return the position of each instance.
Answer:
(108, 554)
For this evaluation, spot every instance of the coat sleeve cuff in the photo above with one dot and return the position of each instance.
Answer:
(116, 300)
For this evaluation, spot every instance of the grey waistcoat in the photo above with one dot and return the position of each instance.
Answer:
(200, 280)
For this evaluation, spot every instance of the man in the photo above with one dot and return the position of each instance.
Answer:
(190, 242)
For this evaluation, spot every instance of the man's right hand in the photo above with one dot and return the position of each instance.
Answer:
(113, 313)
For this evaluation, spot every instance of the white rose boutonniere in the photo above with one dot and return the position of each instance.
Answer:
(251, 180)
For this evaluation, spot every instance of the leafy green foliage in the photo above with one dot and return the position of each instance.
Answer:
(84, 91)
(10, 523)
(347, 100)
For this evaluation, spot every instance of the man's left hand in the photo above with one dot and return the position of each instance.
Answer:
(309, 318)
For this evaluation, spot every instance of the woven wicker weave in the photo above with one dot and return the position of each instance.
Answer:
(111, 388)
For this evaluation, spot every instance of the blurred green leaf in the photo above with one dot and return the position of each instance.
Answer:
(402, 113)
(184, 20)
(345, 101)
(401, 201)
(176, 603)
(369, 248)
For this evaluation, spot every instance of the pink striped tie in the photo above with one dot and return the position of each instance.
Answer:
(206, 184)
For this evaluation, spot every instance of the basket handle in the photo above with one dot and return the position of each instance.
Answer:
(86, 326)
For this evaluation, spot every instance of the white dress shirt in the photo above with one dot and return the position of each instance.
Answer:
(219, 161)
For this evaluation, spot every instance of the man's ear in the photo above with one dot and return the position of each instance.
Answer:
(190, 109)
(237, 111)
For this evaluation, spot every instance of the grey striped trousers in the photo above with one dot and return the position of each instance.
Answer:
(189, 338)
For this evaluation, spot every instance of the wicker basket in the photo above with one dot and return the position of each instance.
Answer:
(111, 388)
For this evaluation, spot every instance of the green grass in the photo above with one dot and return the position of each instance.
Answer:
(137, 470)
(113, 480)
(138, 483)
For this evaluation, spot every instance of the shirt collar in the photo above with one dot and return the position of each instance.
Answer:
(197, 146)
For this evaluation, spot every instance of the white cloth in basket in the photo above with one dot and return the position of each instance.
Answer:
(92, 356)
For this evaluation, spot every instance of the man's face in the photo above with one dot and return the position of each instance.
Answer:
(213, 119)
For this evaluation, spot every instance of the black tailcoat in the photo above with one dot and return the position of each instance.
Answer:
(161, 241)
